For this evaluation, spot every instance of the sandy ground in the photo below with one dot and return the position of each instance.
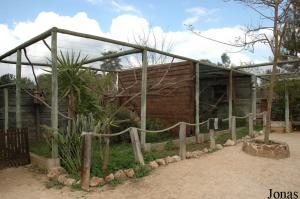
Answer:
(229, 173)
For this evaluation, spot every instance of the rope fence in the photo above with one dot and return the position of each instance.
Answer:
(212, 125)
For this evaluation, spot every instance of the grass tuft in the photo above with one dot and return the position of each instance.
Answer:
(54, 184)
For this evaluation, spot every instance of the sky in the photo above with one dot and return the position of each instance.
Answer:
(21, 20)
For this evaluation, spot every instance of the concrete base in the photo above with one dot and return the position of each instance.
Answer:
(279, 126)
(42, 162)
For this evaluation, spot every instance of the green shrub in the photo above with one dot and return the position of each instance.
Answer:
(40, 148)
(120, 157)
(156, 124)
(141, 171)
(169, 145)
(125, 116)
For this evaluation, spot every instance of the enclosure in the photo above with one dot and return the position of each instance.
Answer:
(192, 98)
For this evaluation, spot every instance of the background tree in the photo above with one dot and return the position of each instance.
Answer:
(7, 78)
(225, 60)
(112, 63)
(279, 10)
(10, 78)
(153, 39)
(291, 40)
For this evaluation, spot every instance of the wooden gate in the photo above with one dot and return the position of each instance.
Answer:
(14, 149)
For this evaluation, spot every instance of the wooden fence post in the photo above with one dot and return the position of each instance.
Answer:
(264, 121)
(197, 107)
(136, 146)
(287, 109)
(230, 96)
(233, 128)
(5, 90)
(144, 97)
(18, 90)
(253, 97)
(250, 118)
(86, 161)
(54, 93)
(212, 134)
(182, 142)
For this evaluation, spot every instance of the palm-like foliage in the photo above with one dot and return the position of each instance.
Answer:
(73, 83)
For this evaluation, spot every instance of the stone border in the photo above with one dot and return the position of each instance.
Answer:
(42, 162)
(60, 175)
(275, 150)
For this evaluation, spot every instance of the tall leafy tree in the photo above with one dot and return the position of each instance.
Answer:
(7, 78)
(225, 60)
(10, 78)
(112, 63)
(291, 41)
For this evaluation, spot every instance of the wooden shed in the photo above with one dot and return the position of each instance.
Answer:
(171, 92)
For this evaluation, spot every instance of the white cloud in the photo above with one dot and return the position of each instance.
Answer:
(94, 1)
(124, 8)
(197, 13)
(191, 20)
(125, 28)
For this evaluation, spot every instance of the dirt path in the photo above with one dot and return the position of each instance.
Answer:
(229, 173)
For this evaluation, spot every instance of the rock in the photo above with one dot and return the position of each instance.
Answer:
(96, 181)
(261, 132)
(176, 158)
(109, 178)
(53, 173)
(210, 150)
(247, 137)
(189, 155)
(136, 168)
(69, 182)
(229, 142)
(196, 154)
(129, 173)
(205, 150)
(219, 147)
(153, 165)
(62, 178)
(161, 162)
(119, 175)
(169, 160)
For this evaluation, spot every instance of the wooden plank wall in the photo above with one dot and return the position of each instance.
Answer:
(172, 104)
(28, 109)
(180, 104)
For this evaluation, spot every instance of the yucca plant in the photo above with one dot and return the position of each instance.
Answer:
(72, 80)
